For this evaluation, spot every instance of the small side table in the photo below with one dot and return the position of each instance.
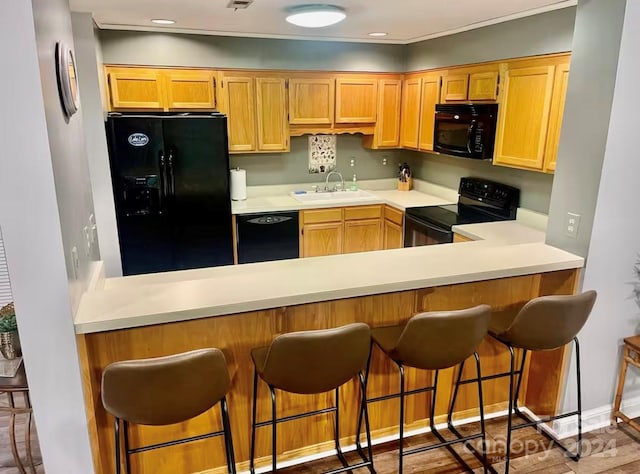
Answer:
(12, 386)
(630, 355)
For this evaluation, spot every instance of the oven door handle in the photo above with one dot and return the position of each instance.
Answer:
(424, 224)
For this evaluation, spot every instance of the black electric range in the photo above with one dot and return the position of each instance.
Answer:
(479, 200)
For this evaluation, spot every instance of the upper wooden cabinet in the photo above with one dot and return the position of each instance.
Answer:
(470, 84)
(240, 107)
(356, 100)
(271, 105)
(256, 113)
(557, 112)
(523, 116)
(136, 88)
(418, 111)
(455, 87)
(311, 101)
(387, 130)
(410, 115)
(190, 89)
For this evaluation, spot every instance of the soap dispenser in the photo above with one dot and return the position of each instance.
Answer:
(354, 183)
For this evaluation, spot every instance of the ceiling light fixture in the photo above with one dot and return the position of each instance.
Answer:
(315, 16)
(380, 33)
(162, 21)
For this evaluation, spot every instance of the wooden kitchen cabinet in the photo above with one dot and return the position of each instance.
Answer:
(241, 113)
(340, 230)
(470, 84)
(454, 87)
(256, 113)
(393, 228)
(428, 101)
(311, 101)
(523, 116)
(135, 89)
(271, 107)
(410, 113)
(387, 130)
(356, 99)
(190, 89)
(362, 228)
(557, 112)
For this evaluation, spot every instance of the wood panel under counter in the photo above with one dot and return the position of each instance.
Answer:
(237, 333)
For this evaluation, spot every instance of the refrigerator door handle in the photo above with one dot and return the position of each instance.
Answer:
(172, 178)
(163, 175)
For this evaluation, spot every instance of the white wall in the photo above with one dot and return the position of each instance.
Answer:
(40, 211)
(87, 49)
(615, 240)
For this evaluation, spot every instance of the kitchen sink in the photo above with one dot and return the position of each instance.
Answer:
(335, 196)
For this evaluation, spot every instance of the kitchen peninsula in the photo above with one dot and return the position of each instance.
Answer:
(240, 307)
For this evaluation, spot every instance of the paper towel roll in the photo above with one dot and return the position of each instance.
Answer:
(238, 184)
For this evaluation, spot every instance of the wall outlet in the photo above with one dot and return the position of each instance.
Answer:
(75, 263)
(87, 240)
(572, 224)
(352, 162)
(384, 161)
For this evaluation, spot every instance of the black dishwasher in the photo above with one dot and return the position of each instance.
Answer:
(267, 236)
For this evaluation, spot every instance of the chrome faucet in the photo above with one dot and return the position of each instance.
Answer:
(326, 183)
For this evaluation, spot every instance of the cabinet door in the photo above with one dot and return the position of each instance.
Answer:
(356, 100)
(387, 133)
(271, 106)
(454, 87)
(311, 101)
(322, 239)
(241, 113)
(483, 85)
(523, 117)
(362, 235)
(557, 111)
(410, 115)
(193, 90)
(392, 235)
(428, 101)
(136, 89)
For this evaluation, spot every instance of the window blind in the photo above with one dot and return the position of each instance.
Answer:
(5, 286)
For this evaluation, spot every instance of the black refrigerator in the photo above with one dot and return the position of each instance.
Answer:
(170, 176)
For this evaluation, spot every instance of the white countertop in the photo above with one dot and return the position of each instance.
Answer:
(501, 233)
(285, 202)
(499, 250)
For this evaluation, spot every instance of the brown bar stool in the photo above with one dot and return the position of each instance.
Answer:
(630, 355)
(435, 341)
(544, 323)
(312, 362)
(164, 391)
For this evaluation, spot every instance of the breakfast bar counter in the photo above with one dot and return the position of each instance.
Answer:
(245, 306)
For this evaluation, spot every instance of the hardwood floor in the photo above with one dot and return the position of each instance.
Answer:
(610, 450)
(7, 465)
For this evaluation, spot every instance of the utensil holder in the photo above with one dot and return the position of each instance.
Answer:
(405, 185)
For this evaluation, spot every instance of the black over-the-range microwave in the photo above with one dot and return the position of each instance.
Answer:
(467, 130)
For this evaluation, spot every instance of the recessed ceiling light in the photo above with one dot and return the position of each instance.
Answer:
(378, 34)
(162, 21)
(315, 16)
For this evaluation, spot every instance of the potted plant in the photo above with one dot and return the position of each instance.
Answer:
(9, 340)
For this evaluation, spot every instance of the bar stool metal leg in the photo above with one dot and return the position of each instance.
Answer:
(401, 440)
(510, 414)
(577, 346)
(228, 442)
(253, 423)
(274, 430)
(125, 433)
(367, 427)
(117, 444)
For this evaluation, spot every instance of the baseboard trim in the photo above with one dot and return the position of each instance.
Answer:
(595, 419)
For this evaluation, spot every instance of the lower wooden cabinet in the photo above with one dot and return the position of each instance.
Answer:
(392, 228)
(341, 230)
